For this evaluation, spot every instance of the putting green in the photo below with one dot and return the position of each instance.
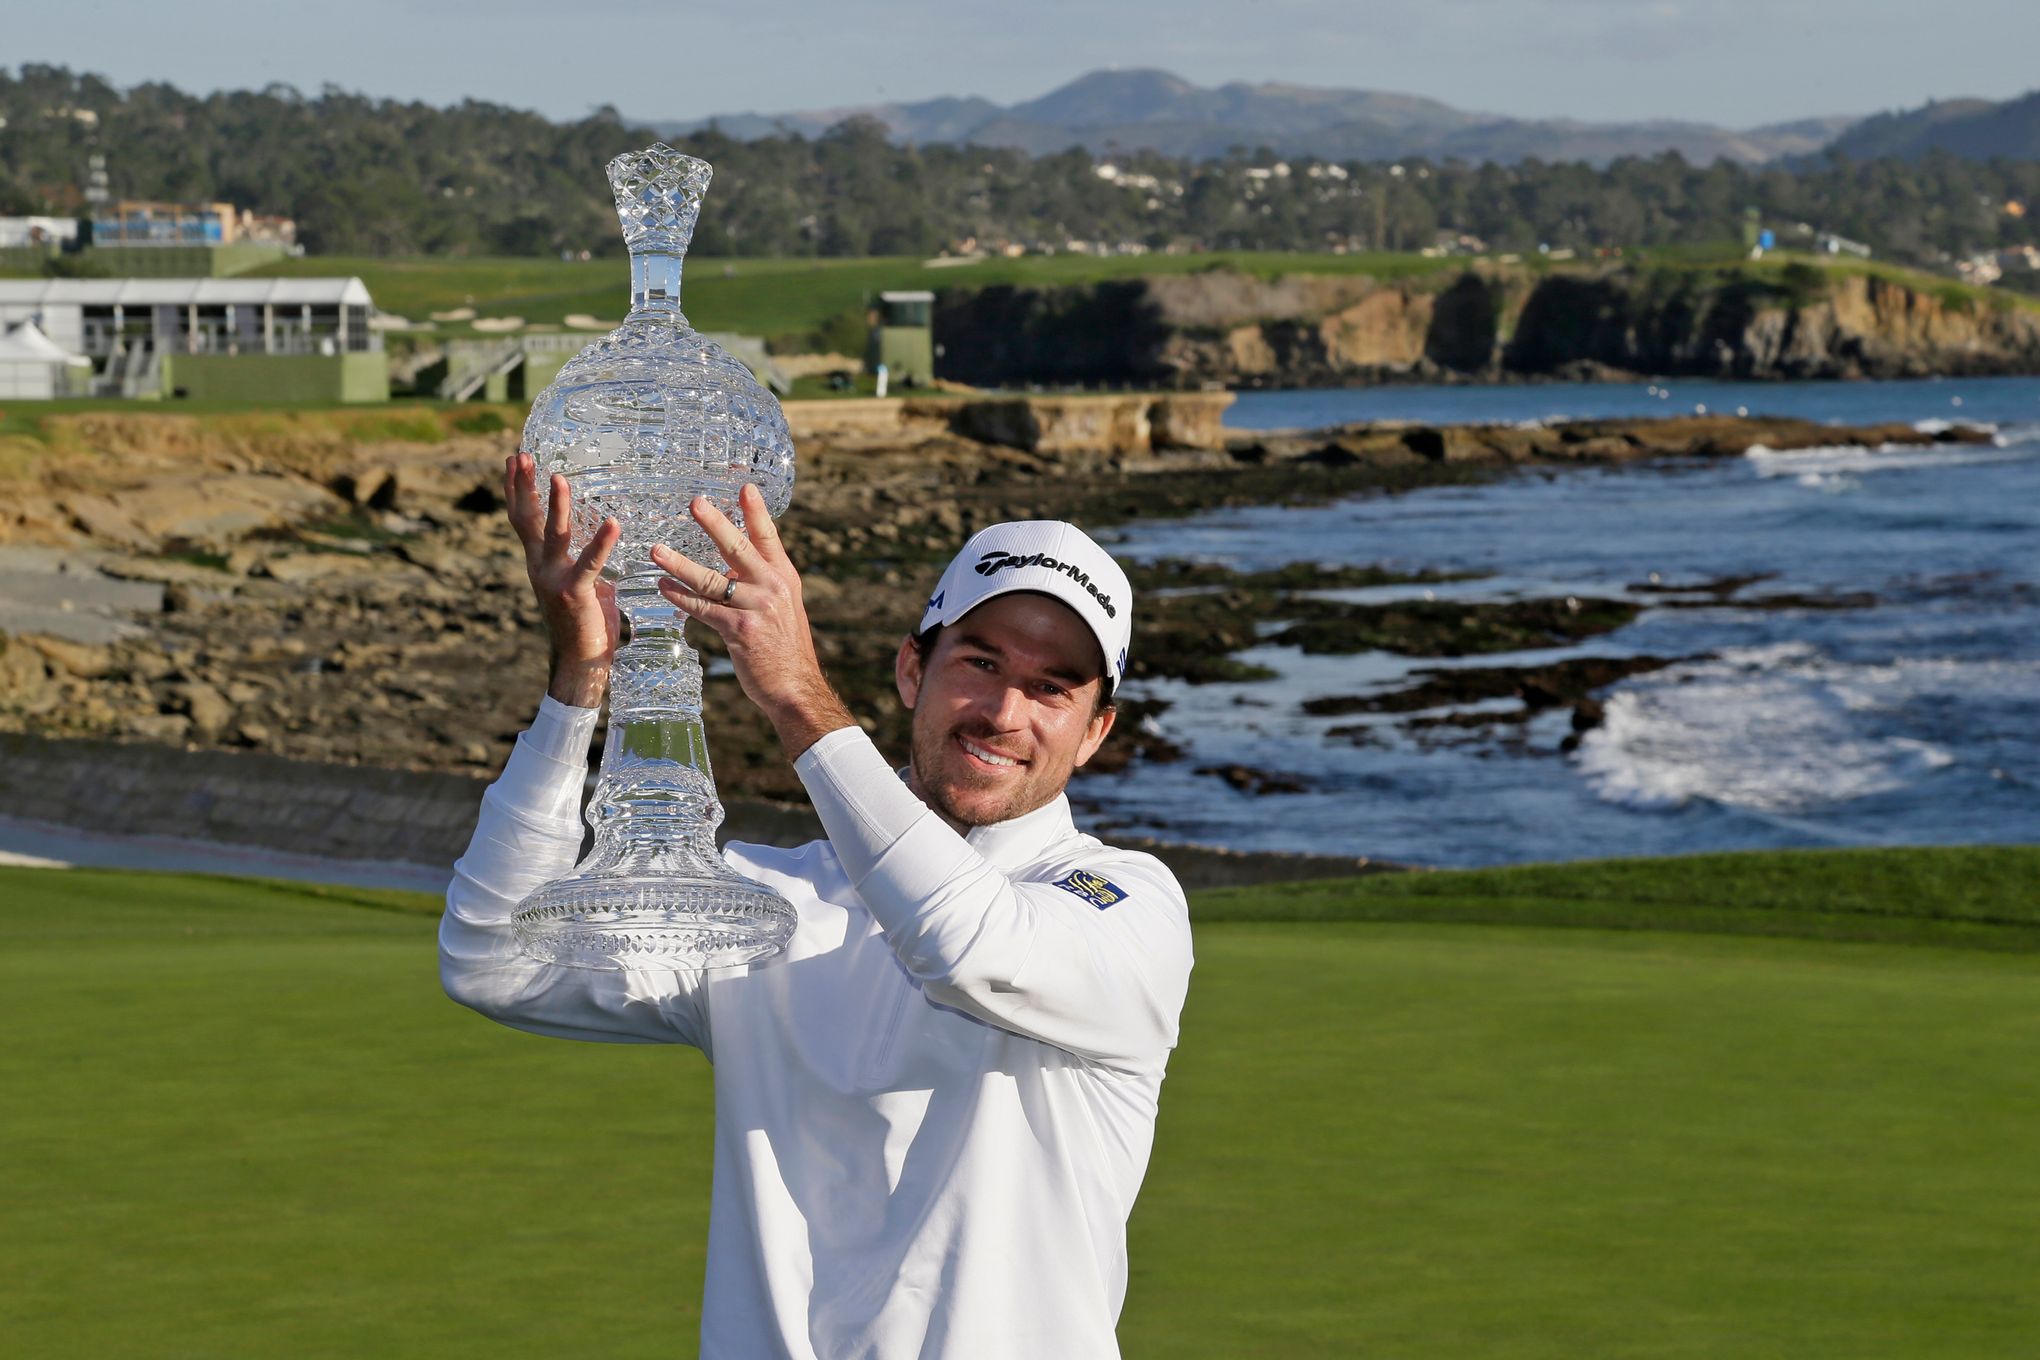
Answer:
(1443, 1141)
(241, 1119)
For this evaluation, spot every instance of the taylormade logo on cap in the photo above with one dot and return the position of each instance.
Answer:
(1052, 558)
(1000, 561)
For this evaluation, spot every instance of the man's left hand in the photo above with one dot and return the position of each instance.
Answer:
(757, 611)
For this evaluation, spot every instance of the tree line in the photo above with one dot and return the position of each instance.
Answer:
(387, 177)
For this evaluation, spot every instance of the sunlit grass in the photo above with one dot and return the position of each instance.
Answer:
(241, 1119)
(773, 297)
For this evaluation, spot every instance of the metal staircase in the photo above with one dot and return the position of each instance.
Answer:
(469, 367)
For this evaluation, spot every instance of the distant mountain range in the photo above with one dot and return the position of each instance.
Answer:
(1109, 111)
(1973, 128)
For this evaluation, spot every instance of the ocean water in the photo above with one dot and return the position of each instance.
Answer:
(1913, 720)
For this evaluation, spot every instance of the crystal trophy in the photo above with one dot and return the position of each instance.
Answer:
(640, 423)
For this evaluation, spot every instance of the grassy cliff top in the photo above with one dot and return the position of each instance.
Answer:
(776, 296)
(790, 297)
(797, 297)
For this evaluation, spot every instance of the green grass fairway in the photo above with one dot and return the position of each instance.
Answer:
(1982, 897)
(1426, 1117)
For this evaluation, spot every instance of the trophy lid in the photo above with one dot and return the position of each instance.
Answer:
(658, 197)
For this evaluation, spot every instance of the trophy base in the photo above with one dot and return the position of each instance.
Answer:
(679, 921)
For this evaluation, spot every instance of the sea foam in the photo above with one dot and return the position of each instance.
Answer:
(1935, 425)
(1828, 459)
(1772, 729)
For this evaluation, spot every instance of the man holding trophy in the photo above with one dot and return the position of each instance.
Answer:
(939, 1034)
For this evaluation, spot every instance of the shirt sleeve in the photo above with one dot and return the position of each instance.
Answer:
(528, 834)
(1030, 957)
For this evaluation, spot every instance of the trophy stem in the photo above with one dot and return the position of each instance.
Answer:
(655, 767)
(655, 286)
(653, 891)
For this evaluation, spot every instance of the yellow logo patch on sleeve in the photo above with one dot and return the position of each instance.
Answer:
(1098, 891)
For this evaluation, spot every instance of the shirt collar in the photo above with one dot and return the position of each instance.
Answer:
(1019, 841)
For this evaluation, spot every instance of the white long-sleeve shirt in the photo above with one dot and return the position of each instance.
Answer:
(933, 1111)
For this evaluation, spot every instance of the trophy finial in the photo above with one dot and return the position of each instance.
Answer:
(658, 197)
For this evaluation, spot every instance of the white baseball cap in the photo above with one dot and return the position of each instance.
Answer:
(1052, 558)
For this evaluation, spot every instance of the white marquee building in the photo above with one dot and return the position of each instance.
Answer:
(128, 328)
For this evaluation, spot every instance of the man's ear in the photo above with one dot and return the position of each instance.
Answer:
(907, 673)
(1094, 734)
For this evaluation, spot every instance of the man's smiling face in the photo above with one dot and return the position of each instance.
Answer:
(1005, 708)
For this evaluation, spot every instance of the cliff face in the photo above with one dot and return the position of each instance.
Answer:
(1842, 326)
(1218, 326)
(1321, 331)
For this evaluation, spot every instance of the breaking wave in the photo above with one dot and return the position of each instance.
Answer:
(1771, 729)
(1828, 460)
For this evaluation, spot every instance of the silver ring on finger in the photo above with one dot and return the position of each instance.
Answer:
(729, 590)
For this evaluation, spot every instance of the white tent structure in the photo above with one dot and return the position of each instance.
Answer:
(195, 316)
(34, 367)
(129, 327)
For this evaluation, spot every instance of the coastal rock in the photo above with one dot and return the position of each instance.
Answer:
(1587, 715)
(207, 708)
(1136, 423)
(163, 571)
(105, 522)
(301, 568)
(164, 728)
(1138, 735)
(370, 658)
(1579, 323)
(441, 559)
(1111, 425)
(1449, 628)
(1465, 320)
(1059, 425)
(1189, 421)
(25, 685)
(1456, 444)
(1537, 688)
(1247, 779)
(373, 488)
(242, 559)
(1388, 329)
(85, 660)
(1249, 353)
(207, 509)
(145, 662)
(1812, 323)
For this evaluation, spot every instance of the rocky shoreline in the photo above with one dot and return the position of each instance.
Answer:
(1489, 323)
(345, 597)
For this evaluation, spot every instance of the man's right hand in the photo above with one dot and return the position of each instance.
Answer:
(578, 605)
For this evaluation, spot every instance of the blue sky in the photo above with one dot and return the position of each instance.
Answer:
(1734, 62)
